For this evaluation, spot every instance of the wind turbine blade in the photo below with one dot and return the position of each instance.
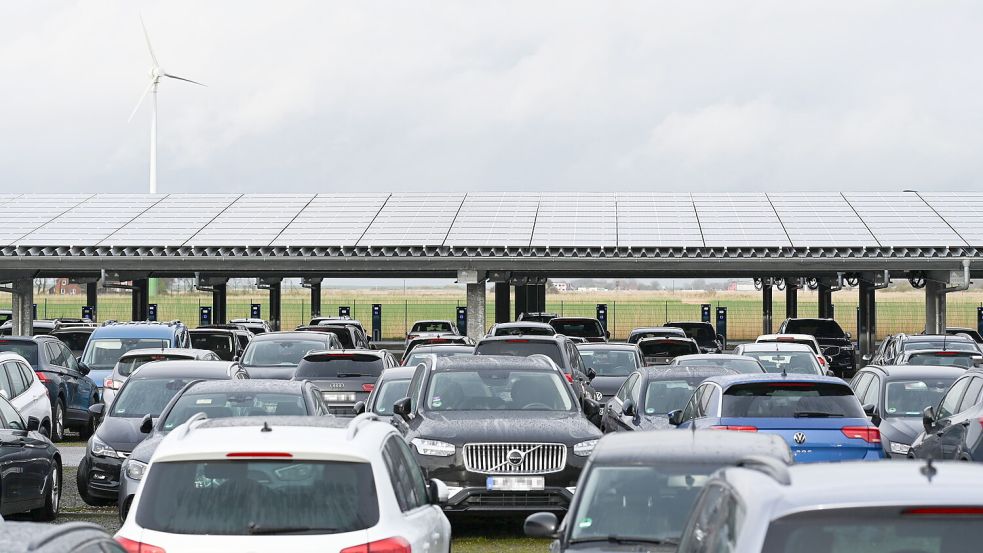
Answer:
(140, 103)
(183, 79)
(150, 47)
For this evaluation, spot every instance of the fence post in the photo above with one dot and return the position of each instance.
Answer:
(405, 316)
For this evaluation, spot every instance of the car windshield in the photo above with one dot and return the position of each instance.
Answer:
(521, 348)
(340, 366)
(74, 340)
(418, 357)
(658, 350)
(524, 331)
(663, 396)
(432, 326)
(652, 502)
(498, 390)
(939, 344)
(944, 358)
(746, 366)
(792, 362)
(146, 396)
(220, 343)
(702, 333)
(876, 530)
(582, 329)
(820, 328)
(130, 363)
(610, 362)
(343, 334)
(285, 352)
(791, 400)
(27, 350)
(104, 353)
(785, 340)
(241, 497)
(908, 398)
(389, 392)
(221, 405)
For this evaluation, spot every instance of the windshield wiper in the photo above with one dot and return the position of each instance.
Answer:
(349, 375)
(266, 531)
(815, 415)
(625, 540)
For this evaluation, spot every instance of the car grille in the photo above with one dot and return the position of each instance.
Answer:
(516, 499)
(532, 458)
(341, 410)
(831, 351)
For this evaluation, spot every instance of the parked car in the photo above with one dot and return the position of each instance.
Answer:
(433, 339)
(256, 326)
(136, 358)
(736, 363)
(5, 315)
(521, 328)
(891, 349)
(277, 354)
(655, 332)
(337, 486)
(350, 337)
(537, 317)
(661, 351)
(638, 493)
(243, 336)
(75, 337)
(787, 357)
(897, 507)
(223, 342)
(504, 433)
(941, 358)
(835, 344)
(343, 321)
(818, 416)
(431, 328)
(141, 399)
(344, 376)
(70, 391)
(217, 399)
(445, 349)
(612, 363)
(391, 386)
(802, 339)
(30, 481)
(952, 429)
(705, 335)
(68, 537)
(43, 327)
(580, 327)
(896, 396)
(971, 333)
(647, 397)
(21, 386)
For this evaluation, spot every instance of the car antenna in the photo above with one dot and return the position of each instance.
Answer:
(929, 470)
(266, 427)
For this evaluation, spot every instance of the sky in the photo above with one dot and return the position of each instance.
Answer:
(319, 96)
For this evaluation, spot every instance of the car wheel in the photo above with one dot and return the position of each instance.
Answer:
(58, 424)
(52, 496)
(83, 488)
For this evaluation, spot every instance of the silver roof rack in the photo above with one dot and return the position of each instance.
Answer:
(769, 466)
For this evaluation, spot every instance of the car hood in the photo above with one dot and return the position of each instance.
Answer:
(121, 433)
(901, 429)
(608, 385)
(145, 449)
(833, 342)
(460, 427)
(599, 547)
(273, 373)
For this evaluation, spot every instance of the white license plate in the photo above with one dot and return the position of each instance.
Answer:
(516, 483)
(328, 396)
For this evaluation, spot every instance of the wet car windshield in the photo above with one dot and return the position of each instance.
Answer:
(944, 358)
(523, 348)
(610, 362)
(103, 354)
(432, 326)
(792, 362)
(417, 357)
(390, 392)
(146, 396)
(279, 353)
(746, 366)
(220, 405)
(498, 390)
(128, 364)
(908, 398)
(27, 350)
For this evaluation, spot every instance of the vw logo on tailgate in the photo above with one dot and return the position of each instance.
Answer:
(799, 438)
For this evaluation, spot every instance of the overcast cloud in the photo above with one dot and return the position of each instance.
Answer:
(567, 95)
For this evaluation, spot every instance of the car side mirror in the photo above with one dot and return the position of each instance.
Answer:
(591, 373)
(978, 361)
(147, 424)
(97, 409)
(541, 525)
(591, 408)
(847, 335)
(628, 409)
(359, 407)
(928, 418)
(829, 372)
(676, 417)
(402, 408)
(866, 357)
(33, 424)
(437, 492)
(607, 334)
(869, 409)
(84, 369)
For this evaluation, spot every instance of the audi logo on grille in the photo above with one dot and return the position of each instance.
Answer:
(799, 438)
(334, 385)
(515, 457)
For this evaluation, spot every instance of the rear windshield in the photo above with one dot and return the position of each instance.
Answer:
(417, 357)
(953, 345)
(792, 362)
(524, 331)
(521, 348)
(877, 530)
(219, 343)
(635, 337)
(265, 497)
(791, 400)
(945, 358)
(582, 329)
(27, 350)
(220, 405)
(74, 340)
(747, 366)
(432, 326)
(343, 334)
(146, 396)
(390, 392)
(653, 351)
(279, 353)
(610, 362)
(126, 366)
(663, 396)
(702, 333)
(907, 398)
(102, 354)
(817, 328)
(340, 366)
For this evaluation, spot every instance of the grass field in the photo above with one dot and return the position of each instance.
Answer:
(896, 311)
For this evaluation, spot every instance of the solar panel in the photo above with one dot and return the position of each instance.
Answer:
(91, 221)
(490, 219)
(27, 213)
(172, 221)
(413, 219)
(818, 219)
(961, 211)
(332, 220)
(902, 219)
(576, 220)
(657, 220)
(252, 220)
(739, 220)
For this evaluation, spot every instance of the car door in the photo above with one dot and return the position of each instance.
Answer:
(632, 391)
(85, 388)
(419, 526)
(58, 365)
(953, 437)
(931, 445)
(38, 394)
(17, 386)
(692, 410)
(873, 393)
(19, 486)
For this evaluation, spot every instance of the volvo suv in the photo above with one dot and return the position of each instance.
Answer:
(835, 344)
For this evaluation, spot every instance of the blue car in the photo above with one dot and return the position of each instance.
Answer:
(818, 416)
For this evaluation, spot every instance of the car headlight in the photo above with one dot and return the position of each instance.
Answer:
(433, 447)
(584, 449)
(900, 449)
(134, 469)
(100, 449)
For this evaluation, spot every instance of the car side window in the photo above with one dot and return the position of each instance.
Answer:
(635, 393)
(55, 356)
(860, 383)
(972, 394)
(689, 412)
(873, 392)
(16, 377)
(11, 418)
(950, 402)
(27, 373)
(626, 387)
(70, 360)
(403, 475)
(705, 400)
(701, 528)
(5, 386)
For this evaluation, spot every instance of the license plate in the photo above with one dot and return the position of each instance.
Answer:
(516, 483)
(329, 396)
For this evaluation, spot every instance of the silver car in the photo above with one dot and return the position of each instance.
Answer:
(131, 360)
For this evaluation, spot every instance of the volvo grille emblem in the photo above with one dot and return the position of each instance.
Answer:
(515, 457)
(799, 438)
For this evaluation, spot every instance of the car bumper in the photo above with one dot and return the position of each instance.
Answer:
(127, 489)
(100, 476)
(479, 499)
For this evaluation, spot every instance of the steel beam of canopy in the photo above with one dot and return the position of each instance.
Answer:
(791, 299)
(476, 301)
(503, 309)
(140, 299)
(220, 303)
(92, 298)
(315, 285)
(824, 294)
(866, 320)
(22, 305)
(767, 324)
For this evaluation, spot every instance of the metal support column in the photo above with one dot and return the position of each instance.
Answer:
(22, 305)
(935, 303)
(791, 300)
(866, 320)
(140, 300)
(476, 310)
(503, 299)
(219, 303)
(92, 298)
(766, 309)
(825, 293)
(539, 297)
(315, 298)
(275, 305)
(521, 305)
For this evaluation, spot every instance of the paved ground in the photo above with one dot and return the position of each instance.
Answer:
(71, 455)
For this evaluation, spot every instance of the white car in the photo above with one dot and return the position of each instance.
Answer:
(26, 393)
(805, 339)
(310, 484)
(788, 357)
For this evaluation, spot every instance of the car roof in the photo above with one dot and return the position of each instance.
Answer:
(524, 338)
(135, 330)
(689, 323)
(398, 373)
(702, 446)
(910, 352)
(673, 372)
(188, 352)
(256, 385)
(292, 334)
(10, 356)
(563, 319)
(524, 324)
(183, 368)
(776, 346)
(666, 339)
(602, 346)
(655, 329)
(892, 372)
(432, 321)
(71, 329)
(25, 537)
(791, 335)
(492, 362)
(379, 353)
(732, 380)
(212, 330)
(441, 346)
(697, 356)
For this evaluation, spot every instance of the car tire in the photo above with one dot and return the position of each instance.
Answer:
(88, 429)
(83, 488)
(52, 496)
(58, 421)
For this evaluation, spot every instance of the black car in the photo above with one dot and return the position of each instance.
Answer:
(537, 317)
(30, 479)
(70, 390)
(705, 335)
(435, 339)
(256, 326)
(952, 429)
(504, 433)
(349, 336)
(833, 341)
(580, 327)
(217, 399)
(142, 398)
(344, 376)
(651, 393)
(70, 537)
(655, 332)
(391, 386)
(243, 336)
(440, 350)
(971, 333)
(896, 396)
(223, 342)
(612, 363)
(277, 354)
(75, 337)
(661, 351)
(636, 495)
(521, 328)
(893, 348)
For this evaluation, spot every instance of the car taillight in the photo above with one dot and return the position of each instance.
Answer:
(822, 360)
(112, 384)
(41, 376)
(735, 428)
(944, 511)
(132, 546)
(569, 377)
(869, 434)
(388, 545)
(368, 387)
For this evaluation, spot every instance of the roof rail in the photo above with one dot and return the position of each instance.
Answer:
(59, 531)
(769, 466)
(197, 417)
(358, 421)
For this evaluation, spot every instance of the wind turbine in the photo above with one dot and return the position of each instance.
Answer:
(156, 72)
